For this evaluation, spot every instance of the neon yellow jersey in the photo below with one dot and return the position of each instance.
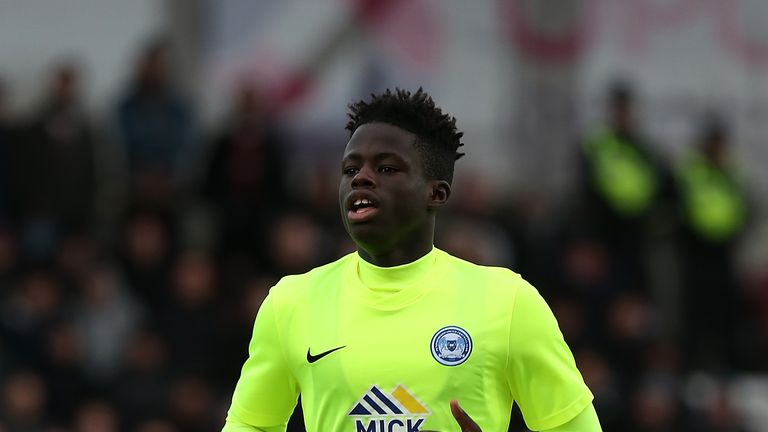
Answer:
(385, 350)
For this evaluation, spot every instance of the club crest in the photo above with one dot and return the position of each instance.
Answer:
(451, 346)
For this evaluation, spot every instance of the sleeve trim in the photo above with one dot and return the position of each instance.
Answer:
(562, 416)
(239, 414)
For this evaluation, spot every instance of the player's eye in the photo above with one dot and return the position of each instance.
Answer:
(386, 169)
(350, 170)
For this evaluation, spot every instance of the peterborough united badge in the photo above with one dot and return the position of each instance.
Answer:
(451, 346)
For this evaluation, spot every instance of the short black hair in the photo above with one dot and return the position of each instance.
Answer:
(437, 139)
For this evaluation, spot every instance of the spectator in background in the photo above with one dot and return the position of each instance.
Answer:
(192, 407)
(64, 371)
(8, 258)
(141, 392)
(622, 183)
(24, 402)
(245, 178)
(713, 210)
(297, 244)
(29, 311)
(718, 413)
(76, 258)
(587, 278)
(191, 321)
(145, 255)
(96, 416)
(106, 316)
(631, 326)
(656, 403)
(55, 176)
(155, 126)
(655, 407)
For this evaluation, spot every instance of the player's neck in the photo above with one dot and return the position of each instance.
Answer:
(399, 255)
(387, 280)
(395, 258)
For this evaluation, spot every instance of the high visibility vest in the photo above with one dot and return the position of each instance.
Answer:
(712, 200)
(623, 176)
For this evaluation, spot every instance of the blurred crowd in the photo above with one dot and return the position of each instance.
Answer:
(134, 254)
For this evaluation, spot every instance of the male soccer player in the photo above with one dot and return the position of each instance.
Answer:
(395, 336)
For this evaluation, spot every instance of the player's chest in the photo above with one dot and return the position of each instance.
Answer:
(356, 348)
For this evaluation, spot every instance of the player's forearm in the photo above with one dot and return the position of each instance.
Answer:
(236, 426)
(586, 421)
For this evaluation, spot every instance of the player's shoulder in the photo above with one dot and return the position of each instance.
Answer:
(463, 266)
(501, 280)
(296, 285)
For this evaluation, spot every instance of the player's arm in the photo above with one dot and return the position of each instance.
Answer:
(586, 421)
(267, 391)
(541, 370)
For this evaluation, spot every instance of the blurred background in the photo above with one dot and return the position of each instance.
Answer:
(164, 162)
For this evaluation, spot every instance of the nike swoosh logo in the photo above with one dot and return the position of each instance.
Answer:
(313, 358)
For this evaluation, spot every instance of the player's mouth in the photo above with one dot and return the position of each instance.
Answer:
(361, 208)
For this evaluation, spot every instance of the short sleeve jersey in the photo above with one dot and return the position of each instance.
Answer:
(385, 349)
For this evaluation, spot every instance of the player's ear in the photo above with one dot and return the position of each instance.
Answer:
(439, 192)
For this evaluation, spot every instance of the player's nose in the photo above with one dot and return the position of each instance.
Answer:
(364, 178)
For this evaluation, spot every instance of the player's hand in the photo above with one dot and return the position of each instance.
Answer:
(463, 419)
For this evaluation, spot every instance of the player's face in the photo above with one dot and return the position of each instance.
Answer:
(383, 194)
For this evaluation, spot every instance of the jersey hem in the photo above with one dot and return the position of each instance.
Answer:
(563, 416)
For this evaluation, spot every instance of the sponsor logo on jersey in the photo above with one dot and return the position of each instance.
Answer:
(313, 358)
(451, 346)
(397, 411)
